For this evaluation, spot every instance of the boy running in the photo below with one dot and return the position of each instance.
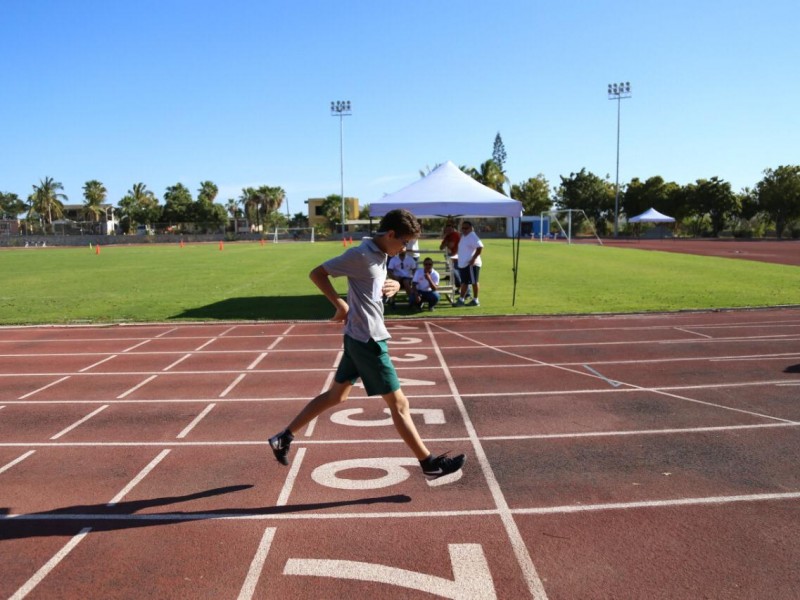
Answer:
(366, 354)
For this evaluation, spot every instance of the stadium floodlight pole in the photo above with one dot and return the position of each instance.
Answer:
(618, 92)
(341, 109)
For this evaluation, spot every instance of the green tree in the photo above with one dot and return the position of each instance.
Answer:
(10, 205)
(46, 201)
(204, 212)
(587, 192)
(779, 195)
(94, 194)
(489, 174)
(177, 205)
(207, 192)
(714, 198)
(271, 199)
(252, 208)
(139, 206)
(642, 195)
(534, 195)
(499, 153)
(332, 210)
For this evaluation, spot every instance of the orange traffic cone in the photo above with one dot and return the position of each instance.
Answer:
(181, 243)
(97, 248)
(262, 241)
(221, 245)
(344, 242)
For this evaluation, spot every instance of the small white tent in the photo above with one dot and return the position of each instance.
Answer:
(448, 191)
(651, 215)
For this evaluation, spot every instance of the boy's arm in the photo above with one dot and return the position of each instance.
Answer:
(321, 279)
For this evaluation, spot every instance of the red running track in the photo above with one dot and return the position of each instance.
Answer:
(642, 456)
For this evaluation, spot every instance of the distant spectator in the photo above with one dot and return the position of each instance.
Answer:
(469, 263)
(401, 268)
(450, 246)
(423, 286)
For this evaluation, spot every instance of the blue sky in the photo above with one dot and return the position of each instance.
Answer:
(238, 92)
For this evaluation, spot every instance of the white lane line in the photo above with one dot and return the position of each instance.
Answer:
(99, 362)
(206, 343)
(136, 387)
(534, 582)
(288, 330)
(135, 481)
(288, 485)
(694, 333)
(277, 341)
(227, 331)
(51, 384)
(136, 346)
(632, 432)
(659, 390)
(256, 566)
(177, 362)
(233, 385)
(16, 461)
(79, 422)
(51, 564)
(443, 514)
(245, 516)
(572, 508)
(167, 332)
(448, 440)
(254, 364)
(196, 420)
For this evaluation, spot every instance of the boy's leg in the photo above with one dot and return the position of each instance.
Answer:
(401, 417)
(280, 442)
(432, 466)
(336, 394)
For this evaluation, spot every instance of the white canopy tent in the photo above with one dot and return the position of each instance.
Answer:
(651, 215)
(449, 192)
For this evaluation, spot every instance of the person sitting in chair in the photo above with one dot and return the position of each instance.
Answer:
(423, 286)
(401, 267)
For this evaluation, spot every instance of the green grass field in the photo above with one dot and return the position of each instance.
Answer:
(250, 281)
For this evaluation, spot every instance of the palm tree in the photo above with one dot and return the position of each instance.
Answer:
(95, 194)
(208, 192)
(250, 202)
(46, 200)
(492, 176)
(139, 206)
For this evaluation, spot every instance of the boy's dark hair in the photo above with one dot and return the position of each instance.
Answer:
(401, 221)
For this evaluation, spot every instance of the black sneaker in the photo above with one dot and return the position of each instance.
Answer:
(437, 466)
(280, 446)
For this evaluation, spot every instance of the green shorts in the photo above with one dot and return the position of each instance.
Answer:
(370, 361)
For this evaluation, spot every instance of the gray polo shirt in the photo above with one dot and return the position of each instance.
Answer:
(365, 268)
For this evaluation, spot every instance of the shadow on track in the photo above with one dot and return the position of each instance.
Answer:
(69, 521)
(314, 306)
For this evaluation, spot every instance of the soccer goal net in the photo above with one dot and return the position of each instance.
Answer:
(570, 224)
(293, 234)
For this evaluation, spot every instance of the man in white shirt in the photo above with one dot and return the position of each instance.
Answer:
(469, 263)
(423, 286)
(401, 267)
